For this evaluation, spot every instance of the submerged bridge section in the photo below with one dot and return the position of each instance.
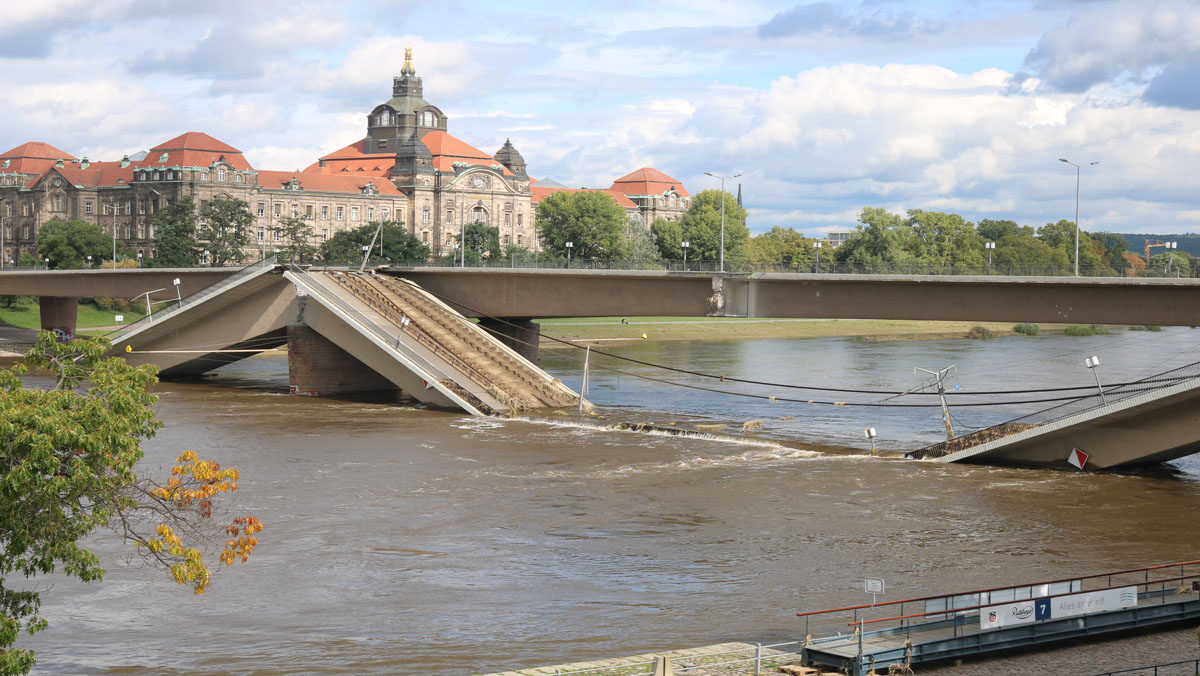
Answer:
(345, 332)
(1152, 420)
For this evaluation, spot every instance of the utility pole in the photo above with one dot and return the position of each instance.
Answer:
(940, 375)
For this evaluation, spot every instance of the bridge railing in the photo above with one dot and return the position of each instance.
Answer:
(1110, 395)
(202, 294)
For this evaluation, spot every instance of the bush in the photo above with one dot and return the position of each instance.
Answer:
(114, 304)
(1152, 327)
(980, 333)
(1027, 329)
(1078, 330)
(1100, 329)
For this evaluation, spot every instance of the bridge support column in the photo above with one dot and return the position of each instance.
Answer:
(59, 314)
(317, 367)
(519, 334)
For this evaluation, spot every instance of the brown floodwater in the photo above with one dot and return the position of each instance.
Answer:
(409, 541)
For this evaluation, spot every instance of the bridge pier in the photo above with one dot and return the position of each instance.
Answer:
(59, 314)
(517, 333)
(317, 367)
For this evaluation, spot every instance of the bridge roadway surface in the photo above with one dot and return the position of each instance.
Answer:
(544, 293)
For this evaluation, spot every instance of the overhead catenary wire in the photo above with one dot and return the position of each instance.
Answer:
(725, 378)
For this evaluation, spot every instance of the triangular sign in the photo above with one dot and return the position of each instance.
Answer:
(1078, 458)
(427, 385)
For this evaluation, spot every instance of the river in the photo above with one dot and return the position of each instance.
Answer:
(408, 541)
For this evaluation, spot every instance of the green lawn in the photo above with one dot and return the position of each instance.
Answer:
(24, 314)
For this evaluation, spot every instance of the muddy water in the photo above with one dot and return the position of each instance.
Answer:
(411, 541)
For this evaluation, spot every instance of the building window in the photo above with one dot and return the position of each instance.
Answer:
(383, 144)
(262, 233)
(324, 212)
(128, 207)
(295, 211)
(262, 210)
(308, 211)
(238, 178)
(449, 216)
(507, 240)
(425, 215)
(370, 213)
(520, 220)
(354, 213)
(425, 237)
(103, 209)
(203, 205)
(276, 209)
(324, 234)
(518, 240)
(221, 174)
(141, 206)
(383, 213)
(87, 207)
(341, 213)
(58, 202)
(507, 219)
(204, 176)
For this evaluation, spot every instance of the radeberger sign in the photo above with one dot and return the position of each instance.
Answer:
(1059, 607)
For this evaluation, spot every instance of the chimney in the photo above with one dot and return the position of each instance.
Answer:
(124, 161)
(83, 164)
(58, 164)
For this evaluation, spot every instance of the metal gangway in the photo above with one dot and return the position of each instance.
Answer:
(861, 638)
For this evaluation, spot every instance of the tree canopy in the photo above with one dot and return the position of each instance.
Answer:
(175, 236)
(591, 220)
(700, 225)
(346, 246)
(68, 243)
(297, 236)
(224, 229)
(67, 457)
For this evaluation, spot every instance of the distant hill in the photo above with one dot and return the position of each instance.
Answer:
(1137, 243)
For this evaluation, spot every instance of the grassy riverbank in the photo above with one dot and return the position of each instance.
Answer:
(610, 329)
(24, 314)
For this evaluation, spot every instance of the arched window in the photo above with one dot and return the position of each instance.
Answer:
(428, 119)
(478, 215)
(221, 174)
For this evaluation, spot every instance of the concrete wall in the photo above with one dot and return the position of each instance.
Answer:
(317, 367)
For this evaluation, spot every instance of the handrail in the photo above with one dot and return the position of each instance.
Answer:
(993, 589)
(959, 609)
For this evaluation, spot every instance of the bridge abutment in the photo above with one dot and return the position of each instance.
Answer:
(517, 333)
(317, 367)
(59, 314)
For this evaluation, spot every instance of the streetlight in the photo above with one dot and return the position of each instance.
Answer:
(989, 246)
(1090, 164)
(722, 180)
(89, 261)
(570, 245)
(1092, 362)
(817, 246)
(178, 296)
(139, 259)
(684, 245)
(47, 263)
(2, 233)
(870, 434)
(1170, 255)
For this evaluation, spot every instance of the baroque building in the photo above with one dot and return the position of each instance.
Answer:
(408, 168)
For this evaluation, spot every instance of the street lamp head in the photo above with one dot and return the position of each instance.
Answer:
(1063, 159)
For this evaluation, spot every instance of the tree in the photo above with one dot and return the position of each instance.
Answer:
(781, 247)
(940, 240)
(876, 241)
(68, 243)
(225, 229)
(701, 226)
(175, 236)
(1061, 236)
(67, 457)
(668, 237)
(640, 244)
(298, 234)
(591, 220)
(346, 246)
(482, 241)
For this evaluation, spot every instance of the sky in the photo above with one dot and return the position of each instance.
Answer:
(823, 108)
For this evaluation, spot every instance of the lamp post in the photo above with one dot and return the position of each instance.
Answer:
(1090, 164)
(1170, 256)
(114, 257)
(817, 246)
(178, 295)
(569, 245)
(89, 262)
(2, 233)
(1092, 362)
(684, 245)
(722, 179)
(989, 246)
(139, 259)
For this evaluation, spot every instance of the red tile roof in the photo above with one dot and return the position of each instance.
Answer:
(446, 150)
(97, 174)
(33, 157)
(647, 181)
(323, 182)
(538, 193)
(193, 149)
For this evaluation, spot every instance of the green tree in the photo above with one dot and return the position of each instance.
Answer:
(876, 241)
(175, 236)
(591, 220)
(943, 241)
(346, 246)
(1061, 237)
(482, 241)
(640, 245)
(225, 229)
(28, 260)
(67, 457)
(1111, 248)
(68, 243)
(782, 247)
(668, 238)
(298, 235)
(701, 227)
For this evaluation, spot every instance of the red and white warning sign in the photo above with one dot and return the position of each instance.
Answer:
(1078, 458)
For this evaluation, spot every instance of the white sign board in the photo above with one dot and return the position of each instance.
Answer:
(873, 585)
(1072, 605)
